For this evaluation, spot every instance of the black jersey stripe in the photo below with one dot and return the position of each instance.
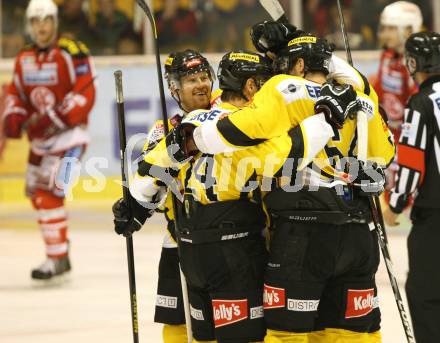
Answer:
(234, 136)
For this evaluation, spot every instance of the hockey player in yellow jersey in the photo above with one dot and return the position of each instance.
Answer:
(305, 312)
(190, 79)
(226, 182)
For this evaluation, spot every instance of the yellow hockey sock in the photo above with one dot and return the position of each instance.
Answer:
(174, 334)
(274, 336)
(344, 336)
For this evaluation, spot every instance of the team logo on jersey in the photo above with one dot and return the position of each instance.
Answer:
(291, 88)
(360, 302)
(47, 75)
(257, 312)
(82, 69)
(273, 297)
(195, 313)
(300, 305)
(227, 312)
(392, 82)
(166, 301)
(42, 99)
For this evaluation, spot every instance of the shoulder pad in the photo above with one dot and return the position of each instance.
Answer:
(294, 88)
(74, 48)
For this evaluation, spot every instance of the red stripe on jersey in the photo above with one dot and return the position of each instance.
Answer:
(412, 158)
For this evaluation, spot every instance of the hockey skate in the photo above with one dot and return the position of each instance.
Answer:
(52, 269)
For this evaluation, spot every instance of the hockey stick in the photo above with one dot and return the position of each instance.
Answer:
(362, 129)
(126, 195)
(150, 17)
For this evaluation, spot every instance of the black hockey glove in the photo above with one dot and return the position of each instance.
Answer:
(370, 179)
(337, 102)
(126, 221)
(271, 36)
(180, 144)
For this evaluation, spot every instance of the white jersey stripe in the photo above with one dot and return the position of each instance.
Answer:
(414, 128)
(208, 139)
(437, 152)
(403, 180)
(68, 58)
(423, 141)
(415, 181)
(393, 198)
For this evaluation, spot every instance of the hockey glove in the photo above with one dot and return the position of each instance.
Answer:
(337, 102)
(271, 36)
(130, 220)
(370, 179)
(180, 144)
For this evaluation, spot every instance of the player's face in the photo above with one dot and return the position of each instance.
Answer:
(389, 37)
(43, 30)
(195, 91)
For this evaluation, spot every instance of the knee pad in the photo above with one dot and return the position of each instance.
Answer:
(174, 333)
(344, 336)
(274, 336)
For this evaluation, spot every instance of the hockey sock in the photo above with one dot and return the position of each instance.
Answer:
(344, 336)
(174, 333)
(52, 218)
(274, 336)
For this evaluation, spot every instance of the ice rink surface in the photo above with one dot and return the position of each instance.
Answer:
(93, 306)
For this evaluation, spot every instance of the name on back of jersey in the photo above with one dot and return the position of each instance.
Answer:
(199, 117)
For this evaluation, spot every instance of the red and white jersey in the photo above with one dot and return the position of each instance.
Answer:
(51, 95)
(394, 86)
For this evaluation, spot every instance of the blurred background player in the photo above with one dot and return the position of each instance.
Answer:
(190, 79)
(419, 174)
(50, 96)
(393, 83)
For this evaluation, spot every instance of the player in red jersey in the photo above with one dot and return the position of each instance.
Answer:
(50, 97)
(393, 83)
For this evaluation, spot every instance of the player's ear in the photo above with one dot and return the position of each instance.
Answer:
(298, 68)
(250, 88)
(408, 31)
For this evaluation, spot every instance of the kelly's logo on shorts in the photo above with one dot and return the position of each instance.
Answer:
(229, 311)
(360, 302)
(273, 297)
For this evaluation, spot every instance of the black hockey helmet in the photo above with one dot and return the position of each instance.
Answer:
(183, 63)
(422, 52)
(236, 67)
(315, 51)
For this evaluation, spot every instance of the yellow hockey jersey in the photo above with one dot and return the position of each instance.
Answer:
(236, 175)
(281, 104)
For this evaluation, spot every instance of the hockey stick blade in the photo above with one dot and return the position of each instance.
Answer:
(276, 12)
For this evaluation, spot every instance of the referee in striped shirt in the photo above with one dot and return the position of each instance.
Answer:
(418, 178)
